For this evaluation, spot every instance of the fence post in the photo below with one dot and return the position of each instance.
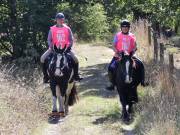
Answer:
(155, 47)
(171, 69)
(149, 35)
(171, 63)
(161, 53)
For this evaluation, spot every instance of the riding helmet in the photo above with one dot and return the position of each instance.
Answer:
(59, 16)
(125, 23)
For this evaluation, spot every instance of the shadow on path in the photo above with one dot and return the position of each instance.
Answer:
(95, 81)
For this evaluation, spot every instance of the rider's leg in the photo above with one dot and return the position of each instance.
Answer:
(44, 68)
(75, 67)
(111, 74)
(142, 70)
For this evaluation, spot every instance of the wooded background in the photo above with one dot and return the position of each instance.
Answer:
(24, 24)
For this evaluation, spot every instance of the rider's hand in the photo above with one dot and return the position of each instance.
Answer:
(120, 54)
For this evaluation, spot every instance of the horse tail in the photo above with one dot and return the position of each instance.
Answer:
(73, 97)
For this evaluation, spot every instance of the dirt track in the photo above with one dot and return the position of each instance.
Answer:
(93, 67)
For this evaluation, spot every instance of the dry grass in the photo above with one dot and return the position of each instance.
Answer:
(23, 101)
(145, 51)
(159, 106)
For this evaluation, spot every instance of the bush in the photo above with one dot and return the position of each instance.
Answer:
(88, 22)
(94, 22)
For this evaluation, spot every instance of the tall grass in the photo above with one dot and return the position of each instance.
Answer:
(23, 102)
(160, 113)
(159, 107)
(144, 49)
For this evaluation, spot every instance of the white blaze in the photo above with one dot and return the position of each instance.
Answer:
(58, 71)
(54, 99)
(127, 80)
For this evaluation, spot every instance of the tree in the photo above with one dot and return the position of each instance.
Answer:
(88, 21)
(24, 25)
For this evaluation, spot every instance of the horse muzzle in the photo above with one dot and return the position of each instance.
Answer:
(128, 79)
(58, 73)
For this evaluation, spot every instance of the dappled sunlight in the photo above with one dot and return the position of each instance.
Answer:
(160, 105)
(95, 81)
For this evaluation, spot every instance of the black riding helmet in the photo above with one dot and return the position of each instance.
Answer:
(59, 16)
(125, 23)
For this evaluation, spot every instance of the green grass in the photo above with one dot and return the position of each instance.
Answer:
(96, 114)
(98, 106)
(172, 50)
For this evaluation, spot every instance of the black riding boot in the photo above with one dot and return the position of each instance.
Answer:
(46, 77)
(112, 85)
(111, 74)
(76, 72)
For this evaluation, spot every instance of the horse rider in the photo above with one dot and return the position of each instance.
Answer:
(60, 35)
(124, 41)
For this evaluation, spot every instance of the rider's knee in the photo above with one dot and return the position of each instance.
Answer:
(45, 55)
(76, 60)
(139, 61)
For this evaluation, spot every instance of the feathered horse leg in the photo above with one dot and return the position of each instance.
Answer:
(60, 100)
(68, 92)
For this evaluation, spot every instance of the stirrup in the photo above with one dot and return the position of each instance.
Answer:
(78, 78)
(110, 88)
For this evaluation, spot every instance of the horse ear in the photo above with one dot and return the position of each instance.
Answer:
(55, 48)
(131, 53)
(64, 48)
(122, 54)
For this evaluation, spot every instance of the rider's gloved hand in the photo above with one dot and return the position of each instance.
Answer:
(120, 54)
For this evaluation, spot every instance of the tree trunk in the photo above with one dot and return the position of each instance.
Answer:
(12, 4)
(176, 28)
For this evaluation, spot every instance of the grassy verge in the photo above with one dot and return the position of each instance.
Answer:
(159, 108)
(23, 102)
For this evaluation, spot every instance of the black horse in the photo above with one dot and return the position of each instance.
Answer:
(60, 71)
(128, 77)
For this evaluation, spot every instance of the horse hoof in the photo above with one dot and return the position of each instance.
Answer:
(66, 112)
(126, 120)
(62, 114)
(54, 114)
